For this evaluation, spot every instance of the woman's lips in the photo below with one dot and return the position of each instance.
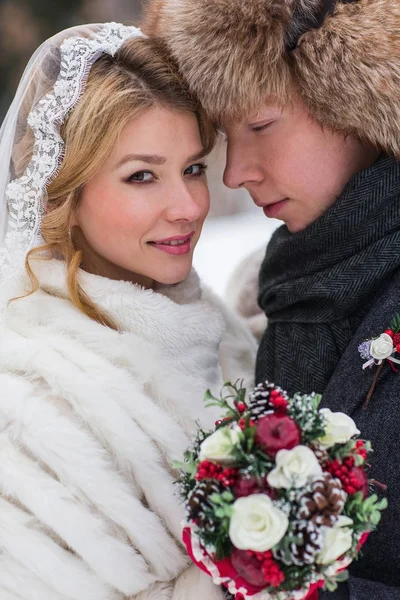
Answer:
(273, 210)
(176, 246)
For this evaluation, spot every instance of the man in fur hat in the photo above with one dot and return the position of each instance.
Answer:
(308, 95)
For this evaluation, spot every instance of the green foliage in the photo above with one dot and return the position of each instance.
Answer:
(342, 451)
(231, 395)
(188, 467)
(219, 512)
(366, 514)
(304, 410)
(395, 324)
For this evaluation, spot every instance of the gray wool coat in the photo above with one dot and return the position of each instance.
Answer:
(376, 575)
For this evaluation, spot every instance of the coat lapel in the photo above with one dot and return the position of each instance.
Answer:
(350, 383)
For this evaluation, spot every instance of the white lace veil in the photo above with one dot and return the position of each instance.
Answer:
(31, 148)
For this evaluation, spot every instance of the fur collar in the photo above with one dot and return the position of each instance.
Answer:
(155, 316)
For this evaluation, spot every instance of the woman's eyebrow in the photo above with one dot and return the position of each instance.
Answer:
(152, 159)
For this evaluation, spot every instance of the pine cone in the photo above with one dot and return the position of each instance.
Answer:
(260, 402)
(325, 501)
(320, 452)
(198, 502)
(311, 535)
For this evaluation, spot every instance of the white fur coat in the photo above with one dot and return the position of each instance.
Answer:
(90, 422)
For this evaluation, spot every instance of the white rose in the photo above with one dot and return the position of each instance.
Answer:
(294, 468)
(336, 541)
(340, 428)
(256, 524)
(220, 444)
(382, 347)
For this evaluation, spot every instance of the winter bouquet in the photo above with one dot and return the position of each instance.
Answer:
(277, 497)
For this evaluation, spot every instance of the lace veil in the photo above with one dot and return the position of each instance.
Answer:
(31, 148)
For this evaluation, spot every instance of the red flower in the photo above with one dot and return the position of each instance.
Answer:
(258, 568)
(359, 477)
(277, 432)
(248, 566)
(246, 486)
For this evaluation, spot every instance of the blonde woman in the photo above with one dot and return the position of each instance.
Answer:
(107, 339)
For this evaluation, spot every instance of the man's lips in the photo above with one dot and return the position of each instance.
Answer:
(272, 209)
(175, 245)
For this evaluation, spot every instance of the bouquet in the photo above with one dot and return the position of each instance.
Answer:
(277, 497)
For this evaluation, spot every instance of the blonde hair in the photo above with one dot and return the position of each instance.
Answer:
(119, 88)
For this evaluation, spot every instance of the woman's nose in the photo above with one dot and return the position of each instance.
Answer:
(188, 204)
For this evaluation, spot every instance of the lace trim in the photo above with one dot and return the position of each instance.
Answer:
(26, 194)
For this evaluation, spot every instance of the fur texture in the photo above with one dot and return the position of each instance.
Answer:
(90, 420)
(234, 54)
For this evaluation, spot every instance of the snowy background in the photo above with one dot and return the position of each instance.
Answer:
(226, 241)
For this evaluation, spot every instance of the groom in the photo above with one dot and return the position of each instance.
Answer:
(308, 95)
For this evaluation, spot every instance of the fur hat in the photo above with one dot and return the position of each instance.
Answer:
(343, 57)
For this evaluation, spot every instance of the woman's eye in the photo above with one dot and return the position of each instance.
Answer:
(196, 170)
(142, 177)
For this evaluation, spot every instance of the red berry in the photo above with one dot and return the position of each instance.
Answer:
(397, 347)
(396, 339)
(242, 423)
(277, 432)
(389, 332)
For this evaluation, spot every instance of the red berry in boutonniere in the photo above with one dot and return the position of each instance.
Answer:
(389, 332)
(277, 432)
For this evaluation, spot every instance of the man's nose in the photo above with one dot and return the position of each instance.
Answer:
(241, 167)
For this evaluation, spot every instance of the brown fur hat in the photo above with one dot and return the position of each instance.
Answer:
(235, 54)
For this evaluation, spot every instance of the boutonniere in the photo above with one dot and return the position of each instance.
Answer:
(381, 349)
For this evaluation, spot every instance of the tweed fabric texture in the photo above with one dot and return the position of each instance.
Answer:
(317, 286)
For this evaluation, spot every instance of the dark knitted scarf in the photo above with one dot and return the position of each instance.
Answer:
(316, 286)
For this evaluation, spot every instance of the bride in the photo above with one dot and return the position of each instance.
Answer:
(107, 338)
